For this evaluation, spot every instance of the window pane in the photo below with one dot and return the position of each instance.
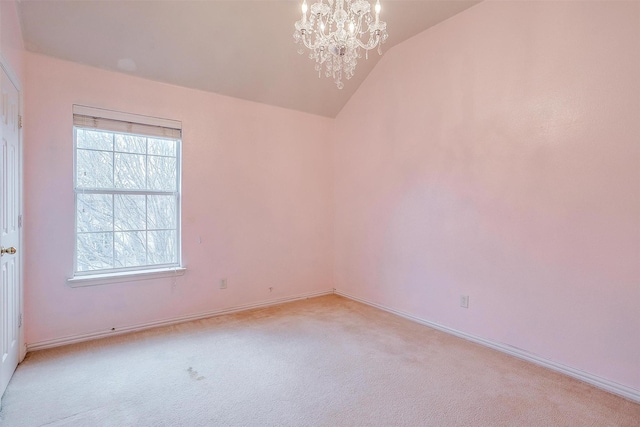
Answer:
(161, 212)
(94, 169)
(95, 251)
(131, 229)
(162, 147)
(131, 143)
(161, 247)
(130, 212)
(130, 249)
(94, 139)
(95, 212)
(162, 173)
(130, 171)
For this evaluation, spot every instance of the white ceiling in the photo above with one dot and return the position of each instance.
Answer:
(242, 49)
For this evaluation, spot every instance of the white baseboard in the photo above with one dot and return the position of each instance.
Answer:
(72, 339)
(604, 384)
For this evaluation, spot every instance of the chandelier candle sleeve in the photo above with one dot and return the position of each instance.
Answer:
(336, 32)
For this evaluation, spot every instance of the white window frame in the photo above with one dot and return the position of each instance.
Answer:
(120, 122)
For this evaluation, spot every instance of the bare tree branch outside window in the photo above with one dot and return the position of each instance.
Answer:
(127, 201)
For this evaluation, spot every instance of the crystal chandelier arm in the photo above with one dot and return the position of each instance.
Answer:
(303, 33)
(306, 40)
(373, 41)
(311, 42)
(357, 25)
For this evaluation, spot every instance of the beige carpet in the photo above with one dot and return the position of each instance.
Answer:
(325, 361)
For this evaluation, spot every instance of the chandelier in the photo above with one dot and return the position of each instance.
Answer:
(336, 32)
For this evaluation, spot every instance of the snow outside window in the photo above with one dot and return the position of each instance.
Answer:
(127, 192)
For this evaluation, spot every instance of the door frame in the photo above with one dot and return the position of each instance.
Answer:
(13, 77)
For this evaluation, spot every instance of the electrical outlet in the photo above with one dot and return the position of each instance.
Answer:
(223, 283)
(464, 301)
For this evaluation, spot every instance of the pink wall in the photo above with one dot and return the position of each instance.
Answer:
(256, 190)
(497, 155)
(11, 44)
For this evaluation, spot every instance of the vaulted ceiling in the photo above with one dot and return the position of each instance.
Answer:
(242, 49)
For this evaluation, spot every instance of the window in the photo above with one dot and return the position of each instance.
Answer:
(127, 192)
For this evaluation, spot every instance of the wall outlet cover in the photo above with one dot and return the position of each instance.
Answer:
(464, 301)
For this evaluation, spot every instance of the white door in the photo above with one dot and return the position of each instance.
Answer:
(10, 185)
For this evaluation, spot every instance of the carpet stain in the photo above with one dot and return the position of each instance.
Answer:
(194, 374)
(318, 362)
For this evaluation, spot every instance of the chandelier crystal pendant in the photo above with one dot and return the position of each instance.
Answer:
(336, 32)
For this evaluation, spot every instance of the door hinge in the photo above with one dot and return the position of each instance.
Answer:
(20, 321)
(19, 121)
(19, 221)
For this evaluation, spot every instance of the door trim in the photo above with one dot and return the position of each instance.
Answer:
(13, 77)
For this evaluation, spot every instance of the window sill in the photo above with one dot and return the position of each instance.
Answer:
(128, 276)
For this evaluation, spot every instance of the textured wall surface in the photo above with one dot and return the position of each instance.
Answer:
(256, 192)
(497, 155)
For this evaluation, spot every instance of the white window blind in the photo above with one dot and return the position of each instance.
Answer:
(115, 121)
